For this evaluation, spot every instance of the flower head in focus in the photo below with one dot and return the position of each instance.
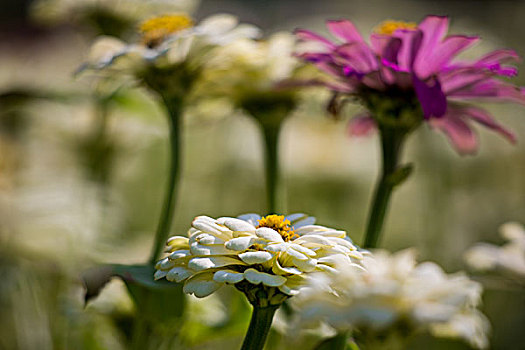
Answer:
(394, 292)
(410, 73)
(269, 259)
(170, 52)
(508, 259)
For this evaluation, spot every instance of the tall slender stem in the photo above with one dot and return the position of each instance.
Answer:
(174, 108)
(260, 324)
(271, 143)
(391, 147)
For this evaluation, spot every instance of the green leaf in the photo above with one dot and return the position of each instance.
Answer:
(159, 303)
(400, 175)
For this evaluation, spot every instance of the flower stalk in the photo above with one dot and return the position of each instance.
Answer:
(392, 140)
(259, 328)
(271, 158)
(174, 108)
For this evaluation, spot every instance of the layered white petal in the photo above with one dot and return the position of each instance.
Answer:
(201, 285)
(228, 276)
(255, 277)
(257, 257)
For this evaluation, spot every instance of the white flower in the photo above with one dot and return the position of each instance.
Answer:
(255, 65)
(273, 253)
(394, 289)
(509, 258)
(168, 40)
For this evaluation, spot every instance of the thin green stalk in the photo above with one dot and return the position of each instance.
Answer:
(271, 157)
(260, 324)
(391, 146)
(174, 108)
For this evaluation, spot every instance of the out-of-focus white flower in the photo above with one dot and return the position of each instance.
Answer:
(248, 65)
(509, 258)
(272, 255)
(393, 290)
(168, 40)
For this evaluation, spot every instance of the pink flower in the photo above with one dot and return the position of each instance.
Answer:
(412, 69)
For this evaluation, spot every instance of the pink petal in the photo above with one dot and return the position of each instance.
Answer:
(459, 133)
(357, 56)
(409, 49)
(434, 29)
(500, 56)
(345, 30)
(379, 42)
(429, 62)
(461, 78)
(483, 117)
(362, 125)
(307, 35)
(491, 89)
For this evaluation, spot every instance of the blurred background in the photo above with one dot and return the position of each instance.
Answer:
(82, 175)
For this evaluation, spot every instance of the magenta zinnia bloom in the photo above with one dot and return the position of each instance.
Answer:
(410, 73)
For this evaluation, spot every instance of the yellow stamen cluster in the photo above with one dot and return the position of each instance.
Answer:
(156, 29)
(389, 27)
(279, 224)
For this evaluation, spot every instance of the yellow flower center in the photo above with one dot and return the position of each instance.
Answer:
(279, 224)
(389, 27)
(156, 29)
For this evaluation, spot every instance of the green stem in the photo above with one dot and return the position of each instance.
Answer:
(271, 158)
(259, 327)
(391, 146)
(174, 108)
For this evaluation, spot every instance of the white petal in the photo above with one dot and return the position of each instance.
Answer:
(205, 227)
(309, 229)
(178, 242)
(314, 239)
(238, 225)
(201, 285)
(302, 249)
(216, 249)
(279, 270)
(179, 254)
(333, 260)
(199, 264)
(305, 265)
(207, 239)
(343, 242)
(255, 277)
(240, 244)
(293, 284)
(228, 276)
(269, 234)
(218, 24)
(165, 264)
(178, 274)
(250, 218)
(296, 255)
(159, 274)
(277, 247)
(258, 257)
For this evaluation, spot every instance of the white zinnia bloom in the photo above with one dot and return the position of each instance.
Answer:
(393, 289)
(274, 254)
(509, 258)
(169, 40)
(260, 65)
